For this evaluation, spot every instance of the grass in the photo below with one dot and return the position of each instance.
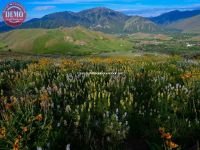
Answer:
(148, 36)
(73, 41)
(2, 45)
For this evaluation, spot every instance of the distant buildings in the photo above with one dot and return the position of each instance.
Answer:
(192, 44)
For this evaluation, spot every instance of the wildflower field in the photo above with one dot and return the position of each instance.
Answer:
(141, 102)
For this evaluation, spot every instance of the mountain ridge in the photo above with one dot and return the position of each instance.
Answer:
(98, 19)
(173, 16)
(107, 20)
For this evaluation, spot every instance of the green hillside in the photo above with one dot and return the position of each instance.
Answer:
(149, 36)
(71, 41)
(2, 45)
(190, 25)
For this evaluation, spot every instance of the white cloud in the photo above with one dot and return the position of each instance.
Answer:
(43, 8)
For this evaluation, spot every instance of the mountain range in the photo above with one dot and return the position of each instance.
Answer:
(100, 19)
(110, 21)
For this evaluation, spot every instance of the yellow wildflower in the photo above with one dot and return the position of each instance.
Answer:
(2, 132)
(186, 76)
(39, 117)
(16, 144)
(171, 144)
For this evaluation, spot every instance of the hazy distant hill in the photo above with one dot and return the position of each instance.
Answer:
(190, 25)
(100, 19)
(173, 16)
(4, 27)
(74, 41)
(140, 24)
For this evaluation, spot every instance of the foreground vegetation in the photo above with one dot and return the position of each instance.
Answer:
(100, 103)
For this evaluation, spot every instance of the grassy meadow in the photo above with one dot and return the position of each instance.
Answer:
(134, 102)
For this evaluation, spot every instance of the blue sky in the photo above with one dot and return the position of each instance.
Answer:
(39, 8)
